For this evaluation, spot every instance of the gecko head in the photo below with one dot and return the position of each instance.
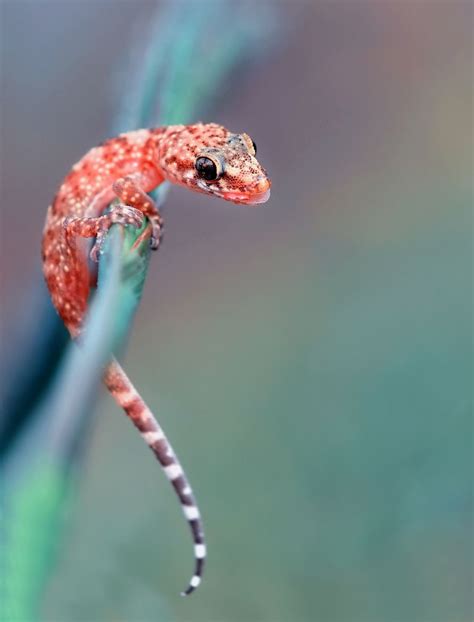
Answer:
(208, 158)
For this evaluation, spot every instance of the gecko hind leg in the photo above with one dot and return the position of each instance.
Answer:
(98, 226)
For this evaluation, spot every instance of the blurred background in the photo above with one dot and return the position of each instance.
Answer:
(311, 360)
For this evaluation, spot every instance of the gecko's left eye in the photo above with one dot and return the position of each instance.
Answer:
(208, 169)
(247, 142)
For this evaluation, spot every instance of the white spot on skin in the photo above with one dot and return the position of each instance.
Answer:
(195, 581)
(200, 550)
(144, 416)
(173, 471)
(126, 398)
(191, 512)
(152, 437)
(187, 490)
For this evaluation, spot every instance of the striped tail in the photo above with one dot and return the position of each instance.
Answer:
(129, 399)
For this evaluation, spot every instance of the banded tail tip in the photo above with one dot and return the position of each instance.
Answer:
(200, 554)
(193, 584)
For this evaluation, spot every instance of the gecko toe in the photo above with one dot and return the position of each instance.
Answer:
(156, 232)
(155, 242)
(96, 252)
(126, 215)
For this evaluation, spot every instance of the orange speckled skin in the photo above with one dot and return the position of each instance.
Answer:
(129, 166)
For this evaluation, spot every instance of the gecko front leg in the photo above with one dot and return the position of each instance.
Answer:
(98, 226)
(130, 192)
(135, 205)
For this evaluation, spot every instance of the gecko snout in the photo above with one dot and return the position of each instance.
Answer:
(260, 192)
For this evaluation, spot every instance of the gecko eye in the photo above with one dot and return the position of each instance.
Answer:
(247, 142)
(207, 169)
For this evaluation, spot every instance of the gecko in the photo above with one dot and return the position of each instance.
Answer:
(110, 185)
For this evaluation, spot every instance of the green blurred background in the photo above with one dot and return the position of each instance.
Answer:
(311, 360)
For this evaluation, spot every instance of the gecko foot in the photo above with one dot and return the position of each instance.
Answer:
(156, 231)
(118, 215)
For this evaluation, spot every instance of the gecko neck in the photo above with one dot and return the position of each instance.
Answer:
(163, 135)
(169, 142)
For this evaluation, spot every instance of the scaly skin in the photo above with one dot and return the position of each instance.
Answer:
(127, 168)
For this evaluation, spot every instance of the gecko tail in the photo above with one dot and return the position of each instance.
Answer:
(125, 394)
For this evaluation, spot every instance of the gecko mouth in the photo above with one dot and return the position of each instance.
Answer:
(259, 195)
(243, 198)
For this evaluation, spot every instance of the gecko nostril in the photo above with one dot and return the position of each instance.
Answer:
(263, 184)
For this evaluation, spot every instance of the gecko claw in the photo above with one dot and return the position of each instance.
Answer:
(154, 243)
(96, 252)
(156, 232)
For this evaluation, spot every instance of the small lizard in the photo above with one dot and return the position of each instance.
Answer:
(205, 158)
